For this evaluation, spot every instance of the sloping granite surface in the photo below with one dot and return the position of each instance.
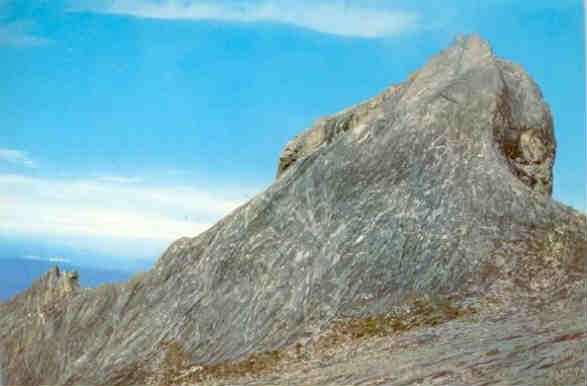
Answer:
(440, 186)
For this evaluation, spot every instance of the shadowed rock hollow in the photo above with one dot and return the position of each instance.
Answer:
(440, 185)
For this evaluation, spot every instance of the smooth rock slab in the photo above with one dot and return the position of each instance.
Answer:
(442, 185)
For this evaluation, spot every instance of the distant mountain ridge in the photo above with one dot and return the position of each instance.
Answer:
(439, 187)
(16, 275)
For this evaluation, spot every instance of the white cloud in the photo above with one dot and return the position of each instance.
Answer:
(58, 260)
(16, 156)
(120, 179)
(17, 34)
(50, 259)
(101, 210)
(335, 18)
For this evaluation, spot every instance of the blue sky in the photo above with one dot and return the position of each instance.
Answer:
(127, 124)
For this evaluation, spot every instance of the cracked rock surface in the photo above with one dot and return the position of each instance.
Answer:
(441, 186)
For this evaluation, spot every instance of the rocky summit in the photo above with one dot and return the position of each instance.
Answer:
(407, 217)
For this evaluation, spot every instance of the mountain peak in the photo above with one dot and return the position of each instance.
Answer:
(468, 77)
(440, 185)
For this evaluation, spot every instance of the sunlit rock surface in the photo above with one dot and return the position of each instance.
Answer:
(441, 185)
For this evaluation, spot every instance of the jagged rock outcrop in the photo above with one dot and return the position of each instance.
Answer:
(525, 132)
(27, 318)
(441, 185)
(327, 129)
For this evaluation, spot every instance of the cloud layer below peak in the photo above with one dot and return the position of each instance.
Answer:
(108, 208)
(334, 18)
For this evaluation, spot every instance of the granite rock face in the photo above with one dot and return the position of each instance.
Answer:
(440, 185)
(327, 129)
(525, 132)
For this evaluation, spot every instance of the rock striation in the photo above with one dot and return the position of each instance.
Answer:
(327, 129)
(441, 185)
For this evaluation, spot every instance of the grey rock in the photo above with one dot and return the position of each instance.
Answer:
(441, 185)
(327, 129)
(500, 344)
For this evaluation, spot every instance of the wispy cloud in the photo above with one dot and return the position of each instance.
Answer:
(17, 157)
(101, 209)
(332, 17)
(120, 179)
(17, 34)
(50, 259)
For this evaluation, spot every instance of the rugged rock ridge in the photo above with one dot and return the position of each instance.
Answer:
(327, 129)
(441, 185)
(47, 291)
(526, 139)
(32, 310)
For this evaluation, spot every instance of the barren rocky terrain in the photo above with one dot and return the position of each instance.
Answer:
(408, 240)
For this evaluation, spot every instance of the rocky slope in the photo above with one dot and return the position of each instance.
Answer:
(494, 340)
(441, 186)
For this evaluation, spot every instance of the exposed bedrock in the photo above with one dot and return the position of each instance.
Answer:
(441, 184)
(523, 124)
